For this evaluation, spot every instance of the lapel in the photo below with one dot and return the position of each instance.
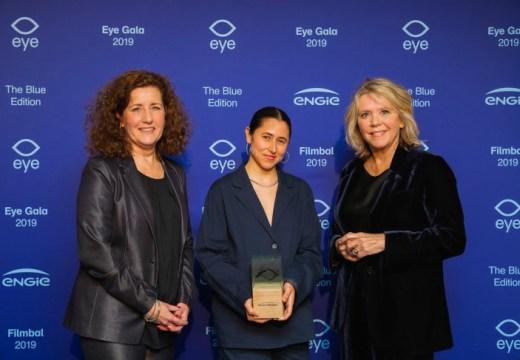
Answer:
(392, 182)
(244, 192)
(175, 180)
(349, 173)
(136, 185)
(286, 192)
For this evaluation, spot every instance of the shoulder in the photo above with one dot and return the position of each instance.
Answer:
(102, 165)
(172, 165)
(430, 164)
(293, 180)
(351, 166)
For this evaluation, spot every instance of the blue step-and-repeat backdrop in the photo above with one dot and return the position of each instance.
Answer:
(459, 59)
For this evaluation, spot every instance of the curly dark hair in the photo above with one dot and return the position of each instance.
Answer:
(107, 138)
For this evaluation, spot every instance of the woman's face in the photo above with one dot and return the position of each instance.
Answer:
(143, 119)
(378, 123)
(268, 143)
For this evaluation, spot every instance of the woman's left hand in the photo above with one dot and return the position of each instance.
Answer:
(288, 296)
(355, 246)
(180, 314)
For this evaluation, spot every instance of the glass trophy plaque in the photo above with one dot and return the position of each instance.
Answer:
(267, 286)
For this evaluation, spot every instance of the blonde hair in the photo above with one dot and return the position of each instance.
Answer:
(399, 98)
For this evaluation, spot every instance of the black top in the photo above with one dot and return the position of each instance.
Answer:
(167, 219)
(355, 210)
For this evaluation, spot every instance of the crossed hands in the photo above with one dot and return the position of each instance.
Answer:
(171, 317)
(288, 296)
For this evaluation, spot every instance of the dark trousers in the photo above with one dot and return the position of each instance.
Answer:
(291, 352)
(96, 349)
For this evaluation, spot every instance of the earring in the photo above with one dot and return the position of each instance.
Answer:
(286, 159)
(248, 148)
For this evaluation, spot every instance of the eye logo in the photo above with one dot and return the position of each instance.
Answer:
(511, 330)
(35, 147)
(503, 209)
(415, 28)
(226, 25)
(20, 21)
(228, 144)
(324, 207)
(325, 327)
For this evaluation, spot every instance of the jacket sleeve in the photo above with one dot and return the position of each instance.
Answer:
(444, 234)
(96, 251)
(335, 259)
(306, 268)
(231, 285)
(187, 282)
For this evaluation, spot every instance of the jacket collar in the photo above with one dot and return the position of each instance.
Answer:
(138, 188)
(244, 192)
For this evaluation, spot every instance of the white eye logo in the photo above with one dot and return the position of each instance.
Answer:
(323, 205)
(513, 323)
(514, 204)
(325, 326)
(31, 143)
(228, 144)
(420, 26)
(28, 20)
(226, 24)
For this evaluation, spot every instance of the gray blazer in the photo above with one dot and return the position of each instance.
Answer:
(116, 282)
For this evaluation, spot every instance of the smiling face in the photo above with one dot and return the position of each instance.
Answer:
(379, 123)
(268, 143)
(143, 119)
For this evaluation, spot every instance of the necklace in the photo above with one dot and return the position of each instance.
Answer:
(262, 185)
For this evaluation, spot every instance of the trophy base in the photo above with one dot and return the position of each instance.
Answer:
(267, 301)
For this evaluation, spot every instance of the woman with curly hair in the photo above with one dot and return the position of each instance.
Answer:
(135, 281)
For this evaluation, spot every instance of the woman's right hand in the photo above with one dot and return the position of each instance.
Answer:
(251, 313)
(168, 319)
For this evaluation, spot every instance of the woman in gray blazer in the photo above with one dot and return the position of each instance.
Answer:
(260, 210)
(135, 282)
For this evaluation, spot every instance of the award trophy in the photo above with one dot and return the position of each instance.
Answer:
(267, 286)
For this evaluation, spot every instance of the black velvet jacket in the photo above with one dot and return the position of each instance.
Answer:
(419, 211)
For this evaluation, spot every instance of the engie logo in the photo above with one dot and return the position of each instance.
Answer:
(415, 29)
(322, 208)
(25, 26)
(316, 97)
(222, 148)
(26, 148)
(508, 208)
(507, 96)
(222, 28)
(508, 328)
(320, 341)
(26, 278)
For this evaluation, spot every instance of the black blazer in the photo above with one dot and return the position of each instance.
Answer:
(419, 211)
(233, 229)
(116, 282)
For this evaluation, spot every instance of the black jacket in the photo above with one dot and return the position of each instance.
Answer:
(419, 211)
(116, 282)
